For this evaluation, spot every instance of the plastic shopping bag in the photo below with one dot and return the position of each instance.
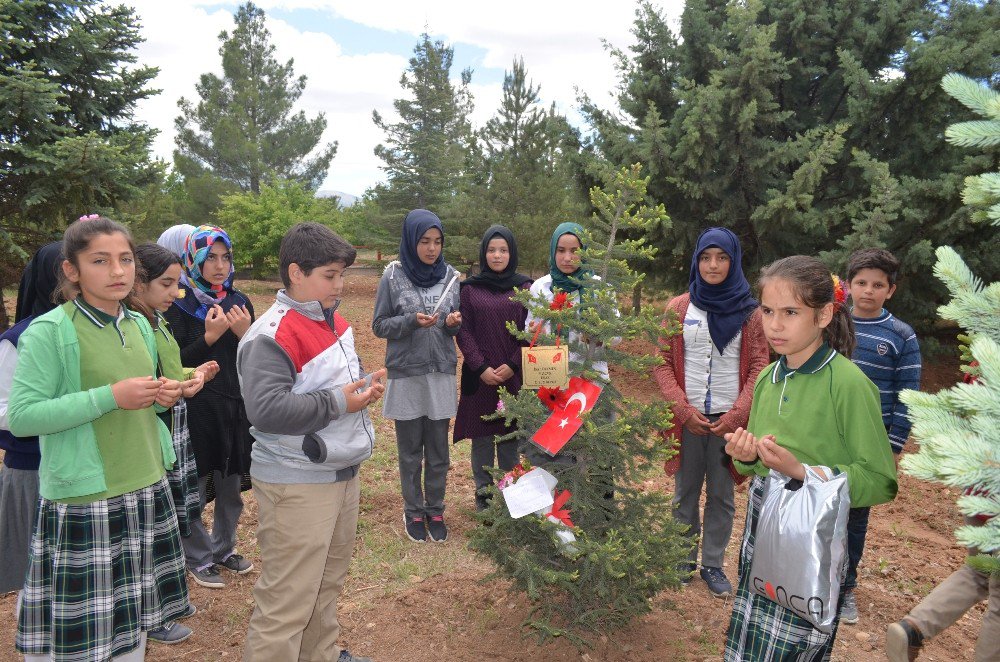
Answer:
(800, 547)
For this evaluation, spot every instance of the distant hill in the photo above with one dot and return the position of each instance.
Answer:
(346, 199)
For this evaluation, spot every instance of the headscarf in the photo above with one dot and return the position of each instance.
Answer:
(559, 279)
(729, 303)
(39, 281)
(173, 238)
(415, 225)
(507, 279)
(196, 249)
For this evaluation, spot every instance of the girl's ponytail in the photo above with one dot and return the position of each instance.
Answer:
(839, 333)
(816, 287)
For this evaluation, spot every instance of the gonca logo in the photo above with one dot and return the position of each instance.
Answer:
(808, 608)
(882, 349)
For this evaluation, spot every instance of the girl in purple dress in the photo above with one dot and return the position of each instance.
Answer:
(492, 356)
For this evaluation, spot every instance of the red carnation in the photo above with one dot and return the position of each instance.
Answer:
(552, 397)
(560, 302)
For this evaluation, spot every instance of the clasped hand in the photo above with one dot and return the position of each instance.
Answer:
(142, 392)
(359, 397)
(745, 447)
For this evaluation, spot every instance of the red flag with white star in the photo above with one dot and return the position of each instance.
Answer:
(580, 396)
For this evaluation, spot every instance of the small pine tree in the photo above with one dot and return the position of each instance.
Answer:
(627, 545)
(959, 428)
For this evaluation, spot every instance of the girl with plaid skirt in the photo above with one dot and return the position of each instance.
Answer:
(811, 407)
(156, 288)
(106, 565)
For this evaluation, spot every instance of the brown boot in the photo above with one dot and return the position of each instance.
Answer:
(903, 641)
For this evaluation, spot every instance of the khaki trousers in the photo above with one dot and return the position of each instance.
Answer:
(306, 533)
(962, 590)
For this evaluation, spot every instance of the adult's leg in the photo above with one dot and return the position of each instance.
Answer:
(436, 464)
(720, 503)
(296, 524)
(410, 447)
(319, 641)
(687, 485)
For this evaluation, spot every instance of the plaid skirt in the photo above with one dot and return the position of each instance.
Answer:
(764, 630)
(100, 574)
(183, 478)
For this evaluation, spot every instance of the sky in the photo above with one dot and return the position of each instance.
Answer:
(354, 52)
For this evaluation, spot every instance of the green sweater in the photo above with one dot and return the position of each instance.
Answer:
(826, 413)
(48, 399)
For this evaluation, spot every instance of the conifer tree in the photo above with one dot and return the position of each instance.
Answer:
(425, 150)
(627, 545)
(959, 428)
(242, 129)
(69, 86)
(524, 180)
(806, 127)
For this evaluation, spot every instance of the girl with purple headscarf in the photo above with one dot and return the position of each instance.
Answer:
(708, 373)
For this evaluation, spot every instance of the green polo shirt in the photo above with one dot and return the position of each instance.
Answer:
(113, 349)
(169, 352)
(827, 413)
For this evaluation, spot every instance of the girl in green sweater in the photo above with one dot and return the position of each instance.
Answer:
(811, 407)
(106, 565)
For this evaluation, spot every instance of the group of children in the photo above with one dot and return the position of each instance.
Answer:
(121, 489)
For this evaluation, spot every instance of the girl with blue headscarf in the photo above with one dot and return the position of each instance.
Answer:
(417, 312)
(207, 321)
(708, 373)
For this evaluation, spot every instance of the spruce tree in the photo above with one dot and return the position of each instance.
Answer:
(627, 545)
(69, 84)
(805, 128)
(425, 150)
(959, 428)
(522, 177)
(242, 129)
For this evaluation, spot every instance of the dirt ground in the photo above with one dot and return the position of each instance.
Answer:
(408, 602)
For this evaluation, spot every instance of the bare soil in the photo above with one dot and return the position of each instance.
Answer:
(408, 602)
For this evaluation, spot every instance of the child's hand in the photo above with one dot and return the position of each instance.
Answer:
(239, 320)
(190, 387)
(742, 446)
(698, 424)
(378, 387)
(358, 399)
(216, 323)
(489, 377)
(136, 392)
(425, 320)
(454, 318)
(210, 369)
(779, 458)
(169, 393)
(503, 373)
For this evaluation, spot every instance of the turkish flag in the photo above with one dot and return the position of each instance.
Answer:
(564, 421)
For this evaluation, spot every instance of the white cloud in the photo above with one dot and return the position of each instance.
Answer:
(560, 41)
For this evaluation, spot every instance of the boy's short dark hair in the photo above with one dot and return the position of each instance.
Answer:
(873, 258)
(312, 245)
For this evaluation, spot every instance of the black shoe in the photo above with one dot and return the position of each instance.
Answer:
(236, 563)
(437, 529)
(717, 582)
(415, 528)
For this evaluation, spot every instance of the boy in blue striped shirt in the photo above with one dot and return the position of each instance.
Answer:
(888, 353)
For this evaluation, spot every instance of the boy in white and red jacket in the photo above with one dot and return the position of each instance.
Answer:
(306, 397)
